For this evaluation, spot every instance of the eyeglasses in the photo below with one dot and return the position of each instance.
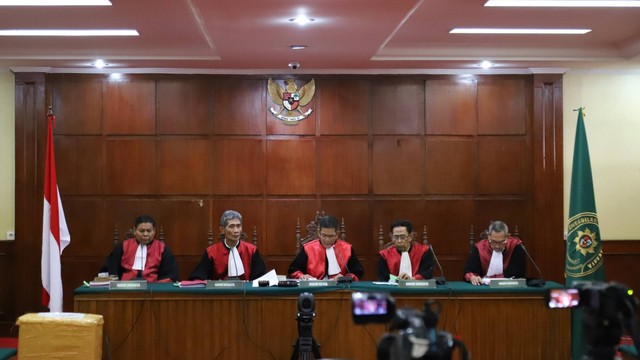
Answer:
(399, 237)
(497, 243)
(328, 236)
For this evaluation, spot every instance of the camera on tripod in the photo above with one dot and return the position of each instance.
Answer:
(413, 333)
(608, 308)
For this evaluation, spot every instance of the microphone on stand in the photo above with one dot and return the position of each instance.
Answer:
(533, 282)
(440, 280)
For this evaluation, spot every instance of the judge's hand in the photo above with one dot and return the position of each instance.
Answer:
(405, 276)
(476, 280)
(307, 277)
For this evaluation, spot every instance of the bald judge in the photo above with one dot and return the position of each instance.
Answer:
(230, 258)
(497, 256)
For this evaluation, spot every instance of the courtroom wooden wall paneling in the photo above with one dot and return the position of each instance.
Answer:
(451, 166)
(79, 158)
(7, 283)
(291, 167)
(77, 102)
(343, 106)
(451, 106)
(184, 148)
(505, 159)
(398, 165)
(343, 166)
(31, 128)
(238, 106)
(183, 106)
(502, 106)
(397, 106)
(239, 166)
(130, 166)
(184, 166)
(129, 107)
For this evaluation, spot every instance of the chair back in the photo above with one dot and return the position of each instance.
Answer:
(485, 235)
(243, 236)
(129, 234)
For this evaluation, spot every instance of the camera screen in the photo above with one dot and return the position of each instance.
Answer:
(563, 298)
(372, 307)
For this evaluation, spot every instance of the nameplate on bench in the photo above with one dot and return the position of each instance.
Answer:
(128, 285)
(307, 283)
(508, 283)
(225, 284)
(431, 283)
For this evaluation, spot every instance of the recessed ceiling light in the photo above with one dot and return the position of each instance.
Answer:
(563, 3)
(298, 47)
(519, 31)
(55, 3)
(100, 64)
(486, 64)
(42, 32)
(301, 19)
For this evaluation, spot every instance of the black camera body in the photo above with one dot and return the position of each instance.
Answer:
(414, 334)
(608, 309)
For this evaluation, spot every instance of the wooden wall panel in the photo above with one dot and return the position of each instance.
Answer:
(622, 262)
(77, 104)
(89, 226)
(343, 166)
(502, 106)
(130, 166)
(80, 159)
(129, 106)
(7, 283)
(303, 127)
(398, 107)
(450, 166)
(184, 166)
(238, 106)
(291, 167)
(343, 106)
(445, 152)
(238, 166)
(448, 224)
(183, 106)
(397, 165)
(185, 225)
(282, 218)
(502, 166)
(451, 106)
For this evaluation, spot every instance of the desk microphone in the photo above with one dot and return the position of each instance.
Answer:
(441, 280)
(533, 282)
(343, 279)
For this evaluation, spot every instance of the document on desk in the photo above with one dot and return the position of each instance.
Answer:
(271, 276)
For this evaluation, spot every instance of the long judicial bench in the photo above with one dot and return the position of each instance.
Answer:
(169, 322)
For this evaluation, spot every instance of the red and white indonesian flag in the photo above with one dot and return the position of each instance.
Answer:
(55, 234)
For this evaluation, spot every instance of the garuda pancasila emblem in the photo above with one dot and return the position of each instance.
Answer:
(290, 100)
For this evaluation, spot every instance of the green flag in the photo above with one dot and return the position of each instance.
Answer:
(584, 260)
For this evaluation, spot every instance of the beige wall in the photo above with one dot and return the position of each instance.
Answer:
(7, 153)
(612, 121)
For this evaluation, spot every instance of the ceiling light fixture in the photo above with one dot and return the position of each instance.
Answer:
(302, 19)
(563, 3)
(43, 32)
(55, 3)
(298, 47)
(520, 31)
(99, 64)
(486, 64)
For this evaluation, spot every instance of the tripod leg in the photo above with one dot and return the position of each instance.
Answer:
(316, 349)
(296, 349)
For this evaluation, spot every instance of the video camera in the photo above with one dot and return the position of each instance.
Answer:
(608, 308)
(414, 334)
